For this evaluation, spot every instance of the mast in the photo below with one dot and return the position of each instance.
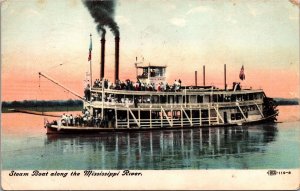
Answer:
(91, 77)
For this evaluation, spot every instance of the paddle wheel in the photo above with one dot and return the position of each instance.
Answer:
(269, 108)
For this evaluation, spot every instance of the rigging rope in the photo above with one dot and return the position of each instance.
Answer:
(39, 95)
(61, 64)
(54, 67)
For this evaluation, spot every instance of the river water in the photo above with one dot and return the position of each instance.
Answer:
(26, 146)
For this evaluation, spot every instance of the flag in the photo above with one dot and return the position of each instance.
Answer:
(90, 49)
(242, 74)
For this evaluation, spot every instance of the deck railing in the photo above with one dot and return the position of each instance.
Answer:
(180, 92)
(98, 104)
(155, 123)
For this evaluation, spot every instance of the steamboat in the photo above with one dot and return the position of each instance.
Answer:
(151, 103)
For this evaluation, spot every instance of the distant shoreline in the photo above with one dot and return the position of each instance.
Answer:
(285, 101)
(77, 105)
(42, 105)
(43, 109)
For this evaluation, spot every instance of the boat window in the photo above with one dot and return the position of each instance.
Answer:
(147, 99)
(152, 72)
(145, 72)
(233, 116)
(245, 97)
(239, 97)
(215, 98)
(220, 98)
(155, 99)
(186, 98)
(199, 99)
(227, 98)
(238, 116)
(177, 98)
(159, 72)
(193, 99)
(233, 97)
(250, 96)
(255, 96)
(204, 113)
(117, 98)
(163, 99)
(171, 99)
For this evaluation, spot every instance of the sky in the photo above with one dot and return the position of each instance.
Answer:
(53, 37)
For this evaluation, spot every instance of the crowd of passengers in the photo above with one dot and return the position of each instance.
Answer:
(84, 119)
(138, 85)
(132, 86)
(111, 98)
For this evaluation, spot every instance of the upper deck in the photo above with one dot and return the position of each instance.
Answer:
(151, 89)
(191, 97)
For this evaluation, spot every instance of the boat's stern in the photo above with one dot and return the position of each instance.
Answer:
(270, 110)
(51, 130)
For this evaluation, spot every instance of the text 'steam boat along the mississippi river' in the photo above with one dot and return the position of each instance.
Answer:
(150, 103)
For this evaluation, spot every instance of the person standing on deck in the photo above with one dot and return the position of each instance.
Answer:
(68, 120)
(71, 120)
(63, 119)
(179, 82)
(87, 93)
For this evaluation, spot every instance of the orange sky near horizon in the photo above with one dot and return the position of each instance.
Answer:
(24, 87)
(54, 39)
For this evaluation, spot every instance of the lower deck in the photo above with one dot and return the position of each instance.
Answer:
(208, 115)
(127, 119)
(61, 129)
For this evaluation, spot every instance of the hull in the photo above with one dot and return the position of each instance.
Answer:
(55, 129)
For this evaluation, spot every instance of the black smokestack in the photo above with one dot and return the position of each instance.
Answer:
(117, 47)
(102, 62)
(103, 14)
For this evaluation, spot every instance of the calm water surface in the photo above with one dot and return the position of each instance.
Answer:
(25, 145)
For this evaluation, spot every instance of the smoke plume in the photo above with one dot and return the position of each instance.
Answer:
(103, 14)
(295, 2)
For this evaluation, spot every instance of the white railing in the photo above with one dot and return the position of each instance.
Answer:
(99, 104)
(181, 92)
(177, 122)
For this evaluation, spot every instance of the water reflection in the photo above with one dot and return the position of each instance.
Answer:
(173, 149)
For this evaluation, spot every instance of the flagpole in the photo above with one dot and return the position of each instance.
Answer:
(91, 73)
(91, 78)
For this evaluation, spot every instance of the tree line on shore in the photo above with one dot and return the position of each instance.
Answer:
(42, 103)
(285, 101)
